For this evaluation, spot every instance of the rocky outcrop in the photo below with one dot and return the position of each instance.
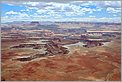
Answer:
(51, 49)
(31, 57)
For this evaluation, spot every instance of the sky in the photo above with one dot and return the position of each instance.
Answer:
(70, 10)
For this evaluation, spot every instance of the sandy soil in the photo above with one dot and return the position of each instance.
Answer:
(83, 64)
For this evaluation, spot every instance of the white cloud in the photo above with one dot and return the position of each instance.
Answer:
(113, 4)
(11, 12)
(31, 3)
(86, 9)
(23, 15)
(114, 15)
(15, 16)
(89, 10)
(102, 4)
(10, 4)
(50, 10)
(71, 6)
(81, 3)
(92, 16)
(44, 3)
(57, 9)
(26, 10)
(22, 10)
(39, 11)
(113, 10)
(57, 1)
(19, 14)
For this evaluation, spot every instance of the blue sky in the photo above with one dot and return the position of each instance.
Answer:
(88, 11)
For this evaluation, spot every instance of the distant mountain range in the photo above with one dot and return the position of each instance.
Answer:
(38, 25)
(50, 22)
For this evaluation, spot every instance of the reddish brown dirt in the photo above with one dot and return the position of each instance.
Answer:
(76, 66)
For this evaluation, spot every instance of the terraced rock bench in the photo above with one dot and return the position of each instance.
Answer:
(51, 49)
(31, 57)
